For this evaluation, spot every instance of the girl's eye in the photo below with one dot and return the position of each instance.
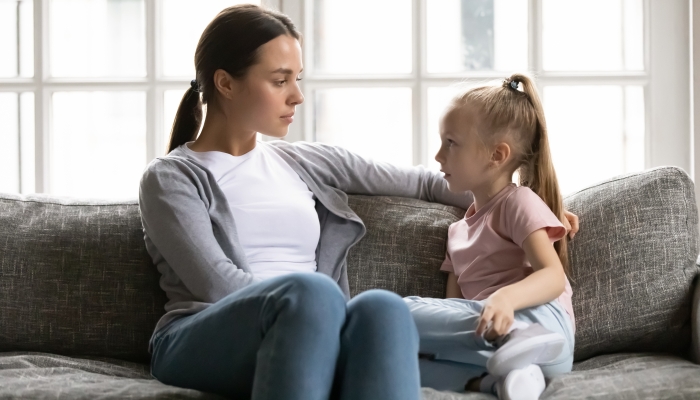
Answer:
(298, 79)
(280, 83)
(449, 142)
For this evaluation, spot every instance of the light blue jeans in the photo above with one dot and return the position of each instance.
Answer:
(294, 337)
(447, 332)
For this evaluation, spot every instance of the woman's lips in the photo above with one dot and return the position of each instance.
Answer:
(289, 119)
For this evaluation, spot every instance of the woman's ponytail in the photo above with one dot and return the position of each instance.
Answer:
(537, 170)
(230, 42)
(187, 120)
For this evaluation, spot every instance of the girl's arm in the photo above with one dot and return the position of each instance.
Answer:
(453, 289)
(545, 284)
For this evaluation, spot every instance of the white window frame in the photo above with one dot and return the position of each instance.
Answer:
(666, 81)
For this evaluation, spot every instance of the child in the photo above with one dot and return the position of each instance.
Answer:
(508, 320)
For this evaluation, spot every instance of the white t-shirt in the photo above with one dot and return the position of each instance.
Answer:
(273, 209)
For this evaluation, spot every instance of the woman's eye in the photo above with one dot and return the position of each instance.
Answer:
(280, 83)
(298, 79)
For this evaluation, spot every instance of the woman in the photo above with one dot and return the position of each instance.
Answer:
(236, 227)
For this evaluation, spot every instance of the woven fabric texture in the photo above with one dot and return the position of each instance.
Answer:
(76, 278)
(633, 263)
(403, 248)
(619, 376)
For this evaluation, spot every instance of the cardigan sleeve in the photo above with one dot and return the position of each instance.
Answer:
(176, 220)
(354, 174)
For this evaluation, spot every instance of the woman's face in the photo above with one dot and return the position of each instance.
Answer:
(264, 100)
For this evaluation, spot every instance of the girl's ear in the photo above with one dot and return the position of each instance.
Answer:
(500, 154)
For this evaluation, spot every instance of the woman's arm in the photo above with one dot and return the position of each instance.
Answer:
(177, 222)
(545, 284)
(354, 174)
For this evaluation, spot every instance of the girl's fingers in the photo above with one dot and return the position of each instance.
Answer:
(484, 320)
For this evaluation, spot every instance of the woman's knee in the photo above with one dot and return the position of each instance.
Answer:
(315, 294)
(383, 307)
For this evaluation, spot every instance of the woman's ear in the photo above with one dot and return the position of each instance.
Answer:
(224, 83)
(500, 154)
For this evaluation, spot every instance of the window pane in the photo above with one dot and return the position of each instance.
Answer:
(472, 35)
(592, 35)
(171, 99)
(438, 100)
(17, 138)
(183, 24)
(373, 122)
(98, 143)
(16, 56)
(362, 36)
(9, 137)
(97, 38)
(600, 123)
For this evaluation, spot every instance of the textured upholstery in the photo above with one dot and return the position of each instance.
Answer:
(75, 280)
(633, 263)
(403, 248)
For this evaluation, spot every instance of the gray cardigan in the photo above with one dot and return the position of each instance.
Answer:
(191, 235)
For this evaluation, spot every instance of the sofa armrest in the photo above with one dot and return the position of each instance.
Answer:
(695, 320)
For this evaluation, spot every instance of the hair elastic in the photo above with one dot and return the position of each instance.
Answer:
(514, 85)
(194, 85)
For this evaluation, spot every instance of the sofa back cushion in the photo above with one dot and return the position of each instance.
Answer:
(633, 263)
(75, 278)
(403, 248)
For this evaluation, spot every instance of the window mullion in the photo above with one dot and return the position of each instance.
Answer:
(154, 103)
(535, 38)
(41, 101)
(419, 51)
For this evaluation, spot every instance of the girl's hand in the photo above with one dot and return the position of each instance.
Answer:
(570, 223)
(499, 312)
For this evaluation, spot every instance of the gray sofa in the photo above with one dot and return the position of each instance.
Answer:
(79, 296)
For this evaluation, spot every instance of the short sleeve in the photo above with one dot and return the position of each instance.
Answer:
(526, 212)
(447, 264)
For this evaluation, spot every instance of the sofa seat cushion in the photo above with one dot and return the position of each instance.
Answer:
(610, 377)
(32, 375)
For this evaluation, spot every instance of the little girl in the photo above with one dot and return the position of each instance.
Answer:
(508, 321)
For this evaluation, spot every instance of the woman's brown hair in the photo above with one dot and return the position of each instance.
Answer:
(507, 112)
(230, 42)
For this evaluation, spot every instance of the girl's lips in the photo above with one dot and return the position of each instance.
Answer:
(289, 120)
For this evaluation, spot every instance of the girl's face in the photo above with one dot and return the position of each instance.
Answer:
(265, 99)
(462, 155)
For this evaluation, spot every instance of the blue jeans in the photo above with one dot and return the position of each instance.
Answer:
(294, 337)
(447, 332)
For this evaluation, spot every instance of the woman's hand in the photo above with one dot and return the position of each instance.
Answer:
(499, 312)
(570, 223)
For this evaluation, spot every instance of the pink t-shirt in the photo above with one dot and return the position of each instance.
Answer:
(484, 249)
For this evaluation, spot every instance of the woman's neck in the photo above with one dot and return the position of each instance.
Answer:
(220, 134)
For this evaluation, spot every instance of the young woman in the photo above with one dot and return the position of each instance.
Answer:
(251, 237)
(509, 309)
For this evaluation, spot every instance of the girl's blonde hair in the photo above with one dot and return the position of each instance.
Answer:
(506, 112)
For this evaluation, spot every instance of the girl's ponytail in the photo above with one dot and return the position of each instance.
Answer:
(187, 120)
(537, 170)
